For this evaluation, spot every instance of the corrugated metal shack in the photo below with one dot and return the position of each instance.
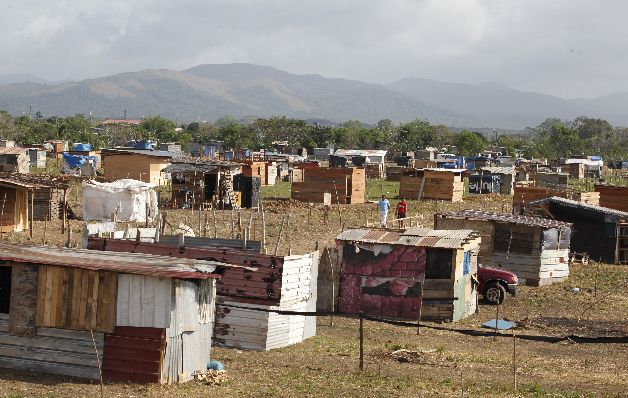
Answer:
(14, 160)
(397, 273)
(245, 295)
(197, 183)
(534, 248)
(600, 232)
(151, 316)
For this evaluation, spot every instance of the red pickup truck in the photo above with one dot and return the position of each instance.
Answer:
(494, 283)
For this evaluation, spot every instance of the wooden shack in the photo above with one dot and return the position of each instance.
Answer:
(251, 168)
(556, 181)
(345, 185)
(433, 184)
(246, 296)
(600, 232)
(136, 164)
(150, 317)
(506, 176)
(199, 183)
(404, 273)
(45, 196)
(613, 196)
(14, 160)
(534, 248)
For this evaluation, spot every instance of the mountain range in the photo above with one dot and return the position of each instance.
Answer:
(208, 92)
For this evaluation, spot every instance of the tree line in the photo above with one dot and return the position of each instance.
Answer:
(551, 139)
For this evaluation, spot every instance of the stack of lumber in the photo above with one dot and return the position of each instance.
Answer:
(345, 184)
(248, 326)
(432, 184)
(524, 194)
(375, 170)
(590, 198)
(47, 204)
(394, 173)
(613, 196)
(424, 164)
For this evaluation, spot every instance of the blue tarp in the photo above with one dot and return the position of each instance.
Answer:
(76, 161)
(82, 147)
(501, 324)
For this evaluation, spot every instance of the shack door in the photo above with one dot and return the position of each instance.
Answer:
(211, 182)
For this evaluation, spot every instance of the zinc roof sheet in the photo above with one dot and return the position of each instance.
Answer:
(503, 217)
(127, 263)
(420, 237)
(581, 205)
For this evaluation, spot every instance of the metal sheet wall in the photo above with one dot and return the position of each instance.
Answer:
(143, 301)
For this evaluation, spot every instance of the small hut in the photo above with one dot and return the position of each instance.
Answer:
(138, 164)
(535, 249)
(14, 160)
(149, 317)
(434, 184)
(404, 273)
(346, 185)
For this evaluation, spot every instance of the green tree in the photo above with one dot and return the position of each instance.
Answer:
(470, 143)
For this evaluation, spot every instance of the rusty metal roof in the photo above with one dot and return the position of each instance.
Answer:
(478, 215)
(581, 206)
(12, 150)
(421, 237)
(126, 263)
(498, 169)
(33, 181)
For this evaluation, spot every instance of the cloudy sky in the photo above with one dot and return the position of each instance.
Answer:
(569, 48)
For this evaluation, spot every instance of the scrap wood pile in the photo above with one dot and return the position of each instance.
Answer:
(613, 196)
(433, 184)
(346, 185)
(211, 377)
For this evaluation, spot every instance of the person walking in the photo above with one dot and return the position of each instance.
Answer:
(402, 208)
(383, 206)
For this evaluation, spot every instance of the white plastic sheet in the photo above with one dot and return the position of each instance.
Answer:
(130, 200)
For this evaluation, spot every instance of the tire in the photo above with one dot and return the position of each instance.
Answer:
(494, 293)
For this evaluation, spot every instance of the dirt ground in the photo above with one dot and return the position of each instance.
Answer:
(437, 363)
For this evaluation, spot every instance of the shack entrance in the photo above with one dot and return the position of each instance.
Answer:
(5, 289)
(211, 182)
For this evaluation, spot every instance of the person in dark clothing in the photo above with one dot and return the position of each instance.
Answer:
(402, 209)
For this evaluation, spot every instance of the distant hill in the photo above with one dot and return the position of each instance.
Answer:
(211, 91)
(495, 104)
(207, 92)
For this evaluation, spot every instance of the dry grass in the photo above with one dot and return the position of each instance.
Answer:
(327, 365)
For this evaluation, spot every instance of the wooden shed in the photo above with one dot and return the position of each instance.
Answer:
(151, 316)
(613, 196)
(346, 185)
(535, 249)
(404, 273)
(43, 196)
(246, 296)
(199, 183)
(136, 164)
(252, 168)
(600, 232)
(14, 160)
(434, 184)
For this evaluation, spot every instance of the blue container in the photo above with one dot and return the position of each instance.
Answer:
(215, 365)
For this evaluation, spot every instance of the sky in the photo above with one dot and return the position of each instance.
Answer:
(567, 48)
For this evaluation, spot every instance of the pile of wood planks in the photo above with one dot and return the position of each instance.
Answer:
(346, 185)
(433, 184)
(526, 194)
(590, 198)
(613, 196)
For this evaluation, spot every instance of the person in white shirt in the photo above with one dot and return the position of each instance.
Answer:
(383, 206)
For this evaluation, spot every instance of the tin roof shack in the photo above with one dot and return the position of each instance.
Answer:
(152, 316)
(598, 231)
(49, 193)
(345, 185)
(434, 184)
(613, 196)
(245, 296)
(373, 156)
(534, 248)
(138, 164)
(196, 182)
(394, 273)
(14, 160)
(505, 175)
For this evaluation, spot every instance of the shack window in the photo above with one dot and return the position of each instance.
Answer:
(5, 289)
(438, 264)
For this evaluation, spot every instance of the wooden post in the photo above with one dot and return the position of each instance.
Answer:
(418, 320)
(43, 241)
(514, 360)
(361, 340)
(68, 243)
(333, 287)
(205, 227)
(164, 222)
(288, 234)
(199, 222)
(263, 230)
(31, 217)
(2, 216)
(232, 224)
(215, 224)
(64, 212)
(181, 239)
(280, 234)
(496, 319)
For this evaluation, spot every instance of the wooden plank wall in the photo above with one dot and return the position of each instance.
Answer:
(485, 229)
(613, 197)
(7, 209)
(348, 183)
(74, 298)
(438, 185)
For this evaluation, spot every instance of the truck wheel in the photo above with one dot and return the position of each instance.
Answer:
(494, 293)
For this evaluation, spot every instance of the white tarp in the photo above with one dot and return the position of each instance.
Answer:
(130, 200)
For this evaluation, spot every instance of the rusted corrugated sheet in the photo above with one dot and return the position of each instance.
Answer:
(505, 217)
(421, 237)
(134, 354)
(251, 277)
(129, 263)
